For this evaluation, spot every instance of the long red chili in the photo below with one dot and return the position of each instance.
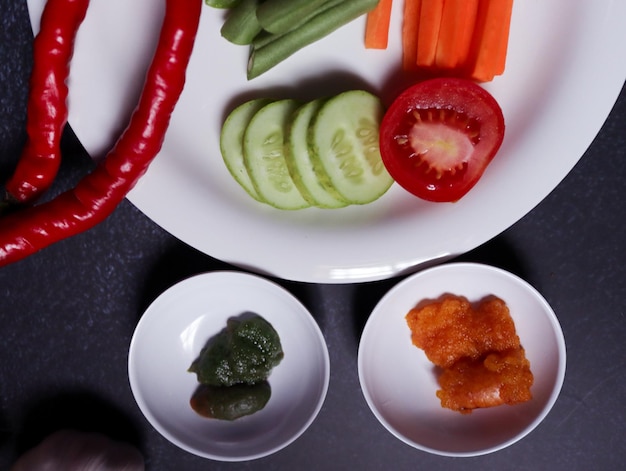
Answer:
(53, 48)
(96, 196)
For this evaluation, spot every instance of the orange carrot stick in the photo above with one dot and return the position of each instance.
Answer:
(377, 26)
(491, 39)
(428, 32)
(455, 34)
(410, 25)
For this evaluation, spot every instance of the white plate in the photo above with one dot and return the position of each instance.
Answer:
(398, 380)
(171, 334)
(564, 73)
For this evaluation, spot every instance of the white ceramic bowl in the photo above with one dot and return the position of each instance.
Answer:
(170, 336)
(399, 383)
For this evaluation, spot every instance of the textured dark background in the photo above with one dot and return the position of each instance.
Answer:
(67, 315)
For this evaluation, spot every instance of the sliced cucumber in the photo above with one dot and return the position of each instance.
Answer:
(264, 155)
(231, 142)
(317, 191)
(322, 153)
(343, 141)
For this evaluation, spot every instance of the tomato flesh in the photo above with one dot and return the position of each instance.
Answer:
(438, 136)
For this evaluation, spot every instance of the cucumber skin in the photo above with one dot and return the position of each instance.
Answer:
(317, 191)
(347, 125)
(231, 143)
(268, 126)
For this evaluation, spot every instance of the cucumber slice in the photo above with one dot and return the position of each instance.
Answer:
(343, 140)
(231, 142)
(317, 191)
(264, 155)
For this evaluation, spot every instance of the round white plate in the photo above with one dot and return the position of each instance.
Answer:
(564, 72)
(179, 323)
(399, 382)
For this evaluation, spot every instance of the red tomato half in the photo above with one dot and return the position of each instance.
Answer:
(438, 136)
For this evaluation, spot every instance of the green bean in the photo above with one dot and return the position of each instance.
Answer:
(222, 4)
(268, 55)
(281, 16)
(242, 26)
(266, 37)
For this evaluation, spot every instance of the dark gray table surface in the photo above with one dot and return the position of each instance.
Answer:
(67, 315)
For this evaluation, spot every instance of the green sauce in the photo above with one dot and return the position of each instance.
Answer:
(230, 402)
(234, 367)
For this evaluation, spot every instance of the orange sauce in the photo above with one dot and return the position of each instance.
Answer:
(477, 349)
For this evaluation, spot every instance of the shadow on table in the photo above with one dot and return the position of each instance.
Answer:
(498, 253)
(82, 411)
(178, 263)
(182, 261)
(5, 430)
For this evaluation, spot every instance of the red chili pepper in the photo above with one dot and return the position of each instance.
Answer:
(96, 196)
(47, 109)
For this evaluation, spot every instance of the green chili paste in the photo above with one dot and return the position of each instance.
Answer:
(230, 402)
(233, 369)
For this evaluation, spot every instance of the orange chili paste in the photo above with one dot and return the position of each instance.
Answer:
(477, 349)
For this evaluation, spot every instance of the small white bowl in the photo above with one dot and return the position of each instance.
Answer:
(171, 334)
(399, 383)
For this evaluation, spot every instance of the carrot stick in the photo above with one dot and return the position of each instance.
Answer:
(490, 44)
(455, 34)
(428, 32)
(377, 26)
(410, 25)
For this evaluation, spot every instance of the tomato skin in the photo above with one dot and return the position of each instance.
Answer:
(438, 137)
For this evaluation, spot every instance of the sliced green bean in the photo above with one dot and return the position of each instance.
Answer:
(242, 26)
(268, 55)
(281, 16)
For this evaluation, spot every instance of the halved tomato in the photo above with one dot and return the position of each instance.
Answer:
(439, 135)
